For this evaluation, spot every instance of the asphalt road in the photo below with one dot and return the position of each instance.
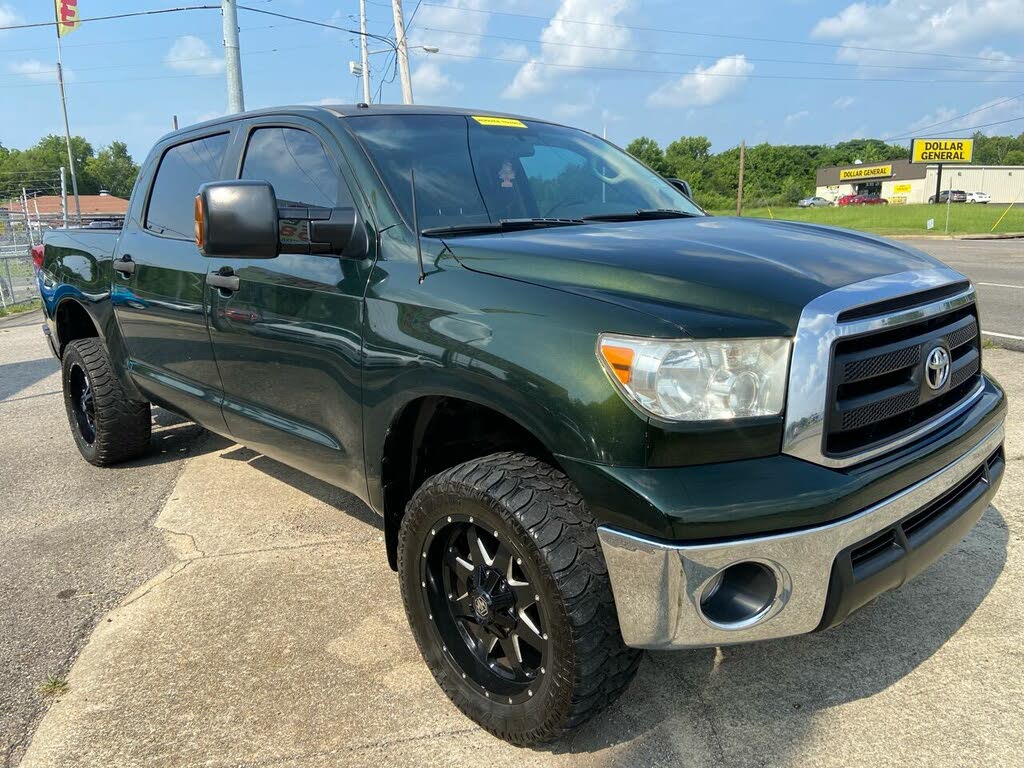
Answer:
(74, 539)
(997, 269)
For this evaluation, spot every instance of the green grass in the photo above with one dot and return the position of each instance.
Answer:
(902, 219)
(55, 685)
(16, 309)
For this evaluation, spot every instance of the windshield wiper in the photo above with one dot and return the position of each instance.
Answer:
(504, 225)
(643, 214)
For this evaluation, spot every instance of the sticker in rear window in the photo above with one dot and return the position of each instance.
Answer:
(500, 122)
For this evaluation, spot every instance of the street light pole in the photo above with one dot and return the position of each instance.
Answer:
(232, 57)
(403, 52)
(363, 52)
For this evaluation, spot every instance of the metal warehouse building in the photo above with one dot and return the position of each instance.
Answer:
(900, 181)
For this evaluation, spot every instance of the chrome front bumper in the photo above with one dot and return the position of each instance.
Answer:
(658, 586)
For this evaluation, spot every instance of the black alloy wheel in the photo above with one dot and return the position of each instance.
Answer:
(484, 608)
(83, 405)
(508, 597)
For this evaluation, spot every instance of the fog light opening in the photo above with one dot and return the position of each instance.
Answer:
(739, 595)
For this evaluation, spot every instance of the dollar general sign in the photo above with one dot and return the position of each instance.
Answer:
(865, 172)
(942, 151)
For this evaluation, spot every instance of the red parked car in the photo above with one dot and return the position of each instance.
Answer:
(845, 199)
(868, 200)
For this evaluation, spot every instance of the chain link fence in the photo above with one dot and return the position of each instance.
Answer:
(17, 275)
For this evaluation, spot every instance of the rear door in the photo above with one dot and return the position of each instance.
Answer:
(288, 341)
(159, 281)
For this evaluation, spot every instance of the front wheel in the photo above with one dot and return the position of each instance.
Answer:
(508, 597)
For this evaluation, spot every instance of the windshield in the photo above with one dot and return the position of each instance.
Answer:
(473, 171)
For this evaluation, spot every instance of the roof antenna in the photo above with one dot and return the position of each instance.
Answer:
(416, 224)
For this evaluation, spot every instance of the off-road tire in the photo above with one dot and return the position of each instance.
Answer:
(542, 514)
(121, 427)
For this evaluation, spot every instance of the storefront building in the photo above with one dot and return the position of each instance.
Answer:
(902, 182)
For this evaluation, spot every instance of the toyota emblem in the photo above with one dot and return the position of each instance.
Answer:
(936, 368)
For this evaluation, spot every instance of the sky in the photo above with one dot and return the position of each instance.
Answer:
(782, 71)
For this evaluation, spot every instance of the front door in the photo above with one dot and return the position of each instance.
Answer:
(288, 341)
(159, 285)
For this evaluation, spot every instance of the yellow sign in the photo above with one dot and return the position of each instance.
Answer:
(67, 17)
(942, 151)
(500, 122)
(865, 172)
(897, 200)
(901, 189)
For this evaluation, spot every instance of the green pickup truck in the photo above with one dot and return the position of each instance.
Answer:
(592, 418)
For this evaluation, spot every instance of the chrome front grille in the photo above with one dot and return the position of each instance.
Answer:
(857, 377)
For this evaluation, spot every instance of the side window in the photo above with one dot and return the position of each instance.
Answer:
(182, 170)
(297, 165)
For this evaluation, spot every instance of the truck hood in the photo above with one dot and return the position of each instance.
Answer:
(707, 275)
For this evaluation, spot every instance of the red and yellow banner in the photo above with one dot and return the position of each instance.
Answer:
(67, 17)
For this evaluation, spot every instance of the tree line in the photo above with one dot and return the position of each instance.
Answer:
(777, 174)
(38, 168)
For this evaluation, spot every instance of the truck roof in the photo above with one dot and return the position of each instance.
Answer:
(349, 110)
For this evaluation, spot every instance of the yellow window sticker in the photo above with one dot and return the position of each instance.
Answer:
(500, 122)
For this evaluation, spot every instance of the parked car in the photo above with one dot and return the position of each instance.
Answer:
(868, 200)
(592, 419)
(814, 202)
(846, 199)
(978, 197)
(954, 196)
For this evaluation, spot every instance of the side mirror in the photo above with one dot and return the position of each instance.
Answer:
(682, 185)
(237, 219)
(241, 219)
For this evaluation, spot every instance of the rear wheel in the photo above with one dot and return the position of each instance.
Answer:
(106, 425)
(508, 597)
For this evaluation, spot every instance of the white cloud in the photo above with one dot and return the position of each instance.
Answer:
(41, 72)
(796, 117)
(192, 55)
(844, 102)
(920, 25)
(561, 43)
(433, 17)
(430, 82)
(705, 85)
(8, 16)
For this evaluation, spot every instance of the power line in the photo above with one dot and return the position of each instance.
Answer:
(691, 33)
(116, 16)
(636, 70)
(713, 55)
(920, 130)
(387, 64)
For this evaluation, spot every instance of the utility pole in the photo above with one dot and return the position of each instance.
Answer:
(232, 58)
(67, 127)
(403, 52)
(64, 196)
(739, 187)
(174, 122)
(28, 224)
(364, 53)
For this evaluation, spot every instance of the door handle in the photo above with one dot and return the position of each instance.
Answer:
(225, 280)
(125, 265)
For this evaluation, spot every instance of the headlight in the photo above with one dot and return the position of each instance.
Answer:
(699, 380)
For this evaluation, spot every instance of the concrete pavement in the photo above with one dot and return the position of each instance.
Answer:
(74, 539)
(276, 636)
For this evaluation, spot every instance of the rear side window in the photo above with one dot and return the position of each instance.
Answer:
(297, 166)
(182, 170)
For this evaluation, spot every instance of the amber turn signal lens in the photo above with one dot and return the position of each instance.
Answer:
(199, 222)
(620, 361)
